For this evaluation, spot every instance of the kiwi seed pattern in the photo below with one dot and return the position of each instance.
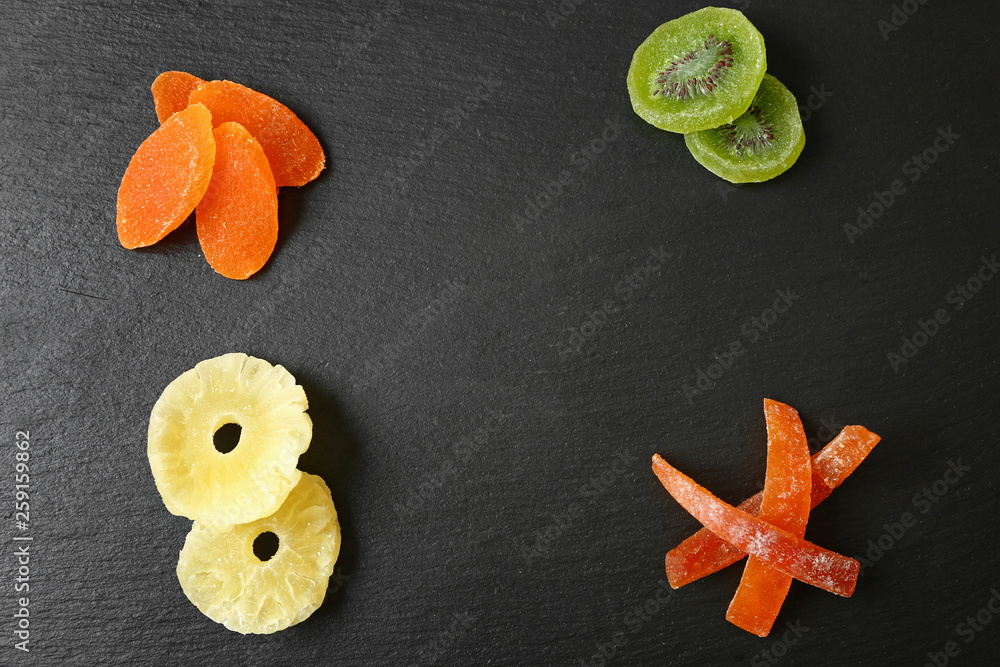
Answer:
(750, 132)
(698, 73)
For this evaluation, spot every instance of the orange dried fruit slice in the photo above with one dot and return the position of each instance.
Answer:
(782, 550)
(171, 91)
(705, 553)
(292, 149)
(238, 217)
(166, 178)
(785, 504)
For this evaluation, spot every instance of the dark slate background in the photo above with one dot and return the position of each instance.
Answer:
(493, 368)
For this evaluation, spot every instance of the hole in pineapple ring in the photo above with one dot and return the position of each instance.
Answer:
(265, 546)
(227, 437)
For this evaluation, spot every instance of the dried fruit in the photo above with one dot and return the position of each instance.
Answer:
(698, 71)
(292, 149)
(792, 555)
(785, 504)
(166, 178)
(238, 217)
(760, 144)
(219, 489)
(222, 576)
(265, 147)
(704, 553)
(171, 91)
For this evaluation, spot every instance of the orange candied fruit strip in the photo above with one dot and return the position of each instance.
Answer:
(792, 555)
(171, 91)
(238, 218)
(704, 553)
(785, 504)
(293, 150)
(166, 178)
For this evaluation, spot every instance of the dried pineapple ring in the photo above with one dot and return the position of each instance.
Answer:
(251, 481)
(223, 578)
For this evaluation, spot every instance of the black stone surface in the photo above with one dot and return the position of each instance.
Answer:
(453, 293)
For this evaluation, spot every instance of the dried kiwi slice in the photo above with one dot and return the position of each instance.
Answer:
(757, 146)
(698, 71)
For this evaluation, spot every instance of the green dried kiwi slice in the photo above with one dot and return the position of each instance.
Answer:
(762, 143)
(698, 71)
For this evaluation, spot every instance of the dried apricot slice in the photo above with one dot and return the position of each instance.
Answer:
(171, 91)
(166, 178)
(249, 482)
(222, 576)
(293, 150)
(785, 504)
(238, 217)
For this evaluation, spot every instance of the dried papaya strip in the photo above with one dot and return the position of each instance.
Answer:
(293, 150)
(704, 553)
(835, 462)
(166, 178)
(785, 504)
(171, 91)
(792, 555)
(238, 218)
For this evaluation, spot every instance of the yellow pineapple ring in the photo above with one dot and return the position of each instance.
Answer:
(223, 578)
(251, 481)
